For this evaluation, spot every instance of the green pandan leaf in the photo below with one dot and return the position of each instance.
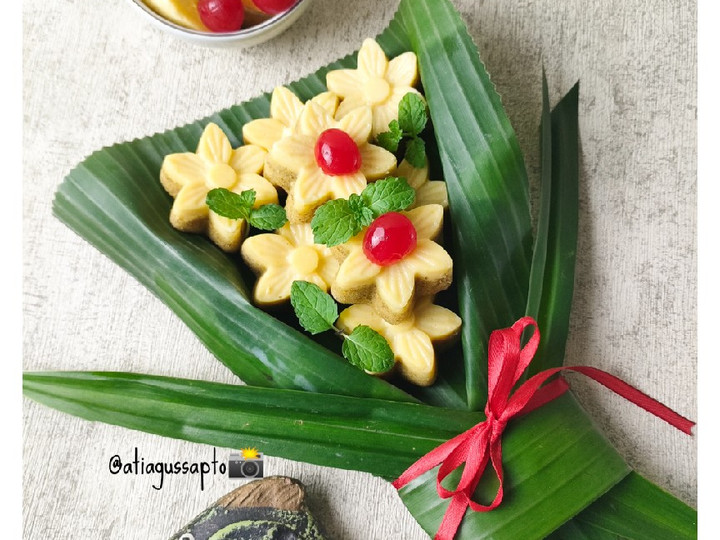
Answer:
(552, 278)
(486, 181)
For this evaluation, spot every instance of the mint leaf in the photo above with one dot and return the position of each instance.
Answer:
(268, 217)
(390, 140)
(334, 223)
(412, 115)
(368, 350)
(315, 309)
(363, 214)
(415, 153)
(388, 195)
(230, 205)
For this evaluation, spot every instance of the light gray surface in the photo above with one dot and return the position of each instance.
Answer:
(95, 73)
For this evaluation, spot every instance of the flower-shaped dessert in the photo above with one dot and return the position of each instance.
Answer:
(290, 255)
(412, 340)
(375, 83)
(394, 260)
(285, 108)
(189, 176)
(426, 191)
(326, 159)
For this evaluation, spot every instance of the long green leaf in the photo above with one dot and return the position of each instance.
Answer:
(486, 179)
(544, 453)
(378, 436)
(635, 508)
(553, 267)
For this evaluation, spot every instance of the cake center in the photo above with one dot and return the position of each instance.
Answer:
(304, 260)
(222, 175)
(377, 89)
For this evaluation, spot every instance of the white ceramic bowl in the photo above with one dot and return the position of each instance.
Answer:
(247, 37)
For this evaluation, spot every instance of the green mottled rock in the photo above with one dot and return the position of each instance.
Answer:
(269, 509)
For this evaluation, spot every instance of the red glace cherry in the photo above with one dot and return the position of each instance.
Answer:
(336, 153)
(389, 239)
(273, 7)
(221, 15)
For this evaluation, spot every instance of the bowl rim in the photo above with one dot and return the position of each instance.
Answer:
(217, 36)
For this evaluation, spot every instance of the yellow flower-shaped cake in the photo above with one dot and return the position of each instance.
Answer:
(412, 340)
(307, 183)
(375, 83)
(189, 176)
(285, 109)
(391, 289)
(290, 255)
(426, 191)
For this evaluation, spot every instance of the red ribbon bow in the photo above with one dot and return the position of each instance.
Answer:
(482, 443)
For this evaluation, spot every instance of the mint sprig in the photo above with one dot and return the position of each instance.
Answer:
(317, 312)
(368, 350)
(335, 222)
(390, 140)
(315, 309)
(411, 122)
(229, 204)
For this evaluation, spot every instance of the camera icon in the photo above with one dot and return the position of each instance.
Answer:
(240, 466)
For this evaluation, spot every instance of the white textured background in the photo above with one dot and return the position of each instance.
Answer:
(96, 73)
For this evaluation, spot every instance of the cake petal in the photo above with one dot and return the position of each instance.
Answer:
(189, 211)
(274, 286)
(294, 152)
(433, 192)
(414, 176)
(416, 356)
(265, 192)
(382, 116)
(329, 266)
(248, 159)
(348, 105)
(427, 220)
(347, 184)
(356, 271)
(376, 162)
(371, 59)
(437, 322)
(344, 82)
(263, 132)
(360, 314)
(395, 285)
(226, 233)
(264, 251)
(328, 101)
(358, 124)
(298, 234)
(180, 169)
(214, 146)
(429, 260)
(311, 188)
(313, 120)
(402, 70)
(285, 106)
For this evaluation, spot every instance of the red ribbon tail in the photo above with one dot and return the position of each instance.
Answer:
(637, 397)
(453, 517)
